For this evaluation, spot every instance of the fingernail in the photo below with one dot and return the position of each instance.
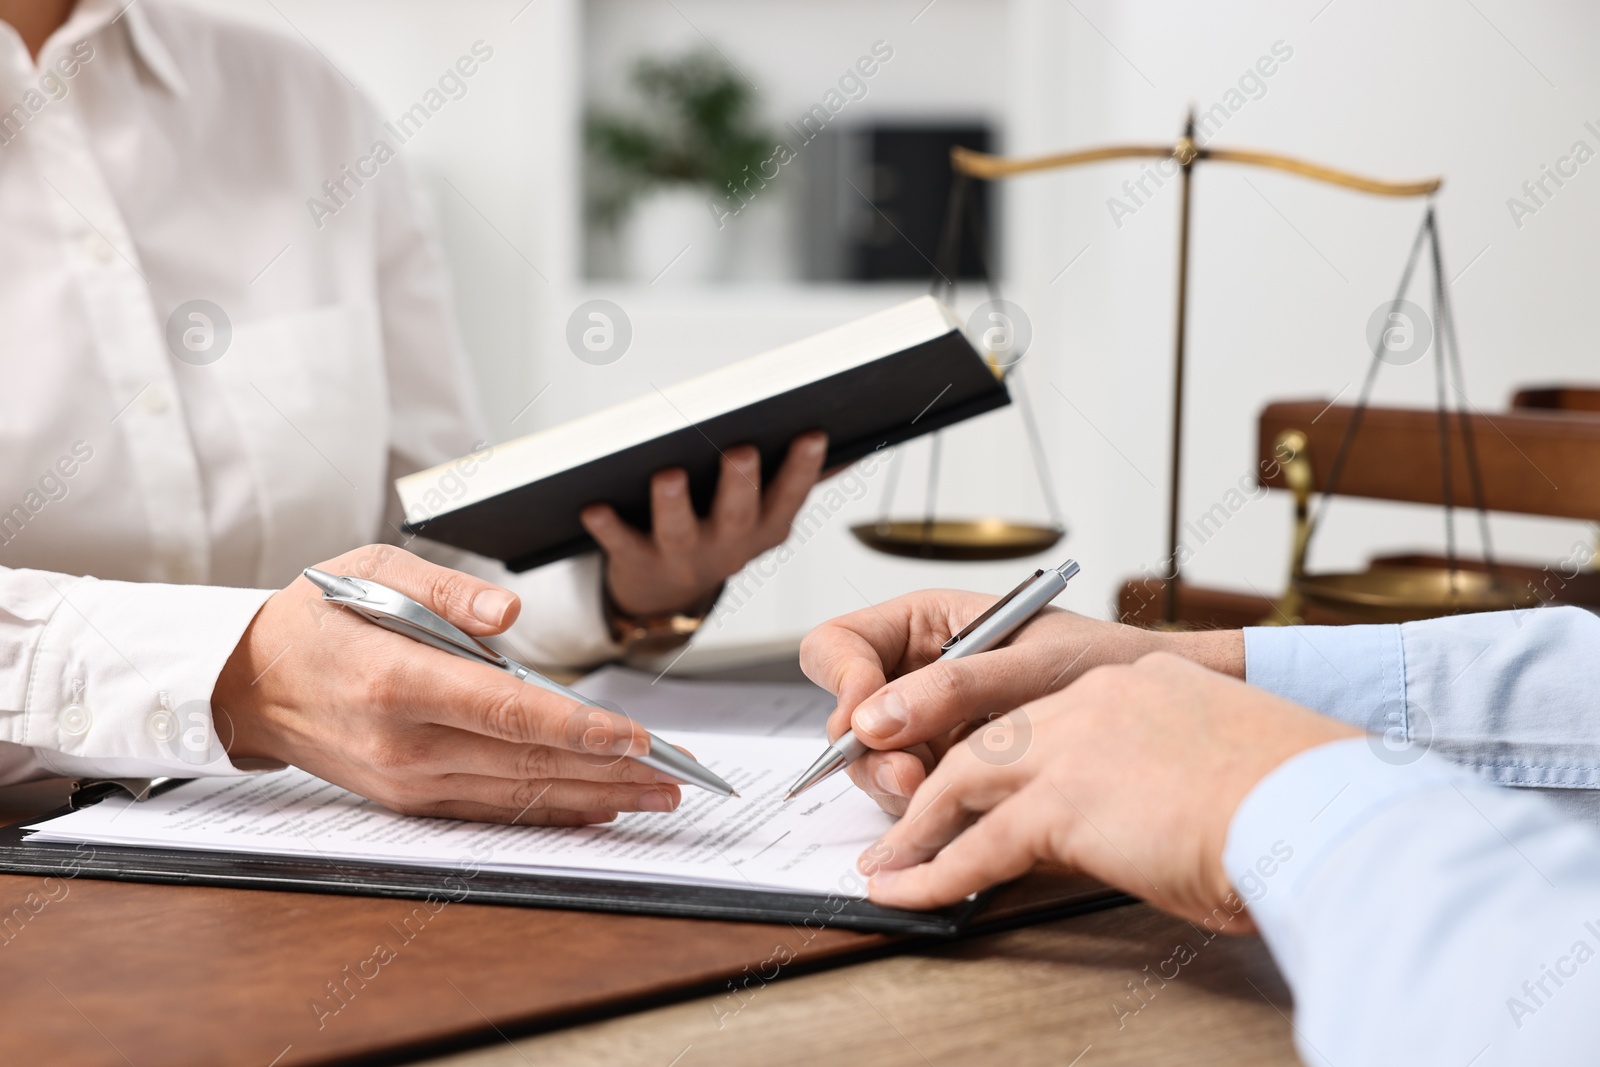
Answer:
(883, 879)
(597, 517)
(663, 778)
(885, 777)
(674, 486)
(884, 716)
(815, 446)
(491, 605)
(654, 801)
(598, 816)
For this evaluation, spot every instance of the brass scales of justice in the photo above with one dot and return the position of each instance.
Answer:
(1391, 592)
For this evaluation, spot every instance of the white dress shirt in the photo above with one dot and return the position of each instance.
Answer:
(151, 157)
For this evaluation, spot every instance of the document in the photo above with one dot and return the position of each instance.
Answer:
(773, 709)
(753, 841)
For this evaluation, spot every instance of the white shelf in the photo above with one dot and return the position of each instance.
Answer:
(785, 299)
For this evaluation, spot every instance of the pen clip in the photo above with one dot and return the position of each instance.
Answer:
(996, 606)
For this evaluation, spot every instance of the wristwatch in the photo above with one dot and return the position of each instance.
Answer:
(652, 634)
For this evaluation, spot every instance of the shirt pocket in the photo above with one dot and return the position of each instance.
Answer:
(309, 394)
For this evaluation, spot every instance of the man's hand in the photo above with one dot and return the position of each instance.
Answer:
(418, 730)
(684, 559)
(929, 706)
(1131, 774)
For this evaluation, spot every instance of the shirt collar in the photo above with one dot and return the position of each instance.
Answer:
(90, 17)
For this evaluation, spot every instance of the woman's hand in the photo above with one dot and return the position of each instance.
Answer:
(418, 730)
(684, 559)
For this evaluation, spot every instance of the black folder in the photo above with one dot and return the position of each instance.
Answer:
(245, 870)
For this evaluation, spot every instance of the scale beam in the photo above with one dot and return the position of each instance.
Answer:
(986, 167)
(1186, 153)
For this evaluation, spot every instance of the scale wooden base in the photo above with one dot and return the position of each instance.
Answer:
(1540, 457)
(1141, 602)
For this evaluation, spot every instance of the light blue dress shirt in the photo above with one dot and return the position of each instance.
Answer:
(1514, 695)
(1421, 913)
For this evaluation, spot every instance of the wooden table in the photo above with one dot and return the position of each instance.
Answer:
(1058, 993)
(124, 974)
(1054, 995)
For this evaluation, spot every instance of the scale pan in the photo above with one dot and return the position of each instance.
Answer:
(957, 539)
(1406, 594)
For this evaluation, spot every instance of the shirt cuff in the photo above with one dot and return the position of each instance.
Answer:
(1355, 674)
(122, 679)
(563, 622)
(1287, 826)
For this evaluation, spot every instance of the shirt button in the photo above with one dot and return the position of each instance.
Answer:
(75, 720)
(162, 724)
(155, 400)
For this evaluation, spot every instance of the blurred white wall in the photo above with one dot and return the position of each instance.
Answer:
(1285, 272)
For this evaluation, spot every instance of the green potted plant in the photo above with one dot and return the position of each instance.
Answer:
(657, 172)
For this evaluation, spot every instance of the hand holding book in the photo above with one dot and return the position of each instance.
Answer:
(867, 385)
(683, 558)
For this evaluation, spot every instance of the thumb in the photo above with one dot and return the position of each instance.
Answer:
(479, 607)
(854, 687)
(945, 694)
(846, 665)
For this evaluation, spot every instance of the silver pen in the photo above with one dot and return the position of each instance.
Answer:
(1004, 618)
(393, 610)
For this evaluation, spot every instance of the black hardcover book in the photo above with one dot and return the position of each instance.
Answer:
(869, 384)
